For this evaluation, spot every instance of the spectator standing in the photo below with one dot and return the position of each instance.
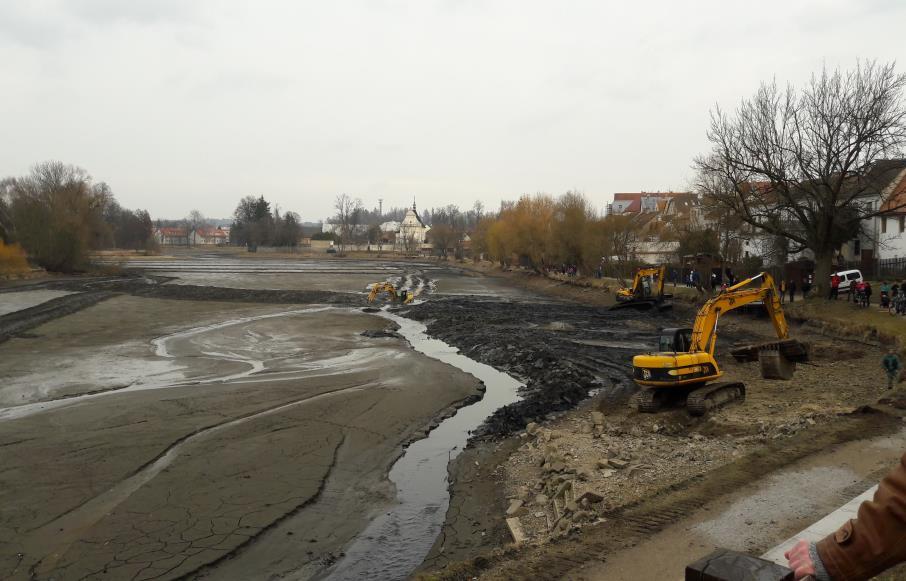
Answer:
(782, 291)
(891, 365)
(834, 287)
(866, 294)
(791, 288)
(885, 295)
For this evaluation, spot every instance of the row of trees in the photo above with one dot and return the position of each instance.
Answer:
(541, 231)
(58, 214)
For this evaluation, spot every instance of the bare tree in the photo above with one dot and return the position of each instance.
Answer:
(347, 218)
(809, 165)
(193, 222)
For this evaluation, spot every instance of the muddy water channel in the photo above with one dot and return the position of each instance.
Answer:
(397, 541)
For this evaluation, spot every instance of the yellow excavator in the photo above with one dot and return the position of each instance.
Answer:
(402, 296)
(647, 289)
(684, 366)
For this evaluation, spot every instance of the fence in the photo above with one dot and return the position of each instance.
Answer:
(892, 268)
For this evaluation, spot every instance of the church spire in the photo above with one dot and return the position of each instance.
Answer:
(413, 204)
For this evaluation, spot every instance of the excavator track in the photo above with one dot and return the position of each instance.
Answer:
(704, 399)
(654, 399)
(647, 401)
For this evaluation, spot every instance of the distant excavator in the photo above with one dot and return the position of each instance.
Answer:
(684, 366)
(647, 290)
(395, 295)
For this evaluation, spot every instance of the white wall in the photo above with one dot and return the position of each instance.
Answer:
(893, 242)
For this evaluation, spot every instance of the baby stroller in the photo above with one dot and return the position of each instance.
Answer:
(899, 303)
(858, 291)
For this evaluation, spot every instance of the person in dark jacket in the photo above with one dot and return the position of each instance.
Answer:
(865, 546)
(791, 287)
(891, 365)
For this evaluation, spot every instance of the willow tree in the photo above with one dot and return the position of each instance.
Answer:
(808, 165)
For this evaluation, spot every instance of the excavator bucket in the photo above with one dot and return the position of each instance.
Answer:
(777, 358)
(775, 366)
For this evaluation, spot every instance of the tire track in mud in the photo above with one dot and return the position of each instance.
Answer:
(562, 351)
(416, 283)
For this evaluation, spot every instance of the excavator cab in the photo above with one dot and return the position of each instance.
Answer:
(647, 290)
(675, 340)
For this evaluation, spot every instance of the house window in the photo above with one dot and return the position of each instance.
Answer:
(883, 225)
(857, 247)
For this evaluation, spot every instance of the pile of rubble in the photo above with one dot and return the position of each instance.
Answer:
(576, 471)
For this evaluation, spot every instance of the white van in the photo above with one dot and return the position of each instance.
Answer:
(847, 278)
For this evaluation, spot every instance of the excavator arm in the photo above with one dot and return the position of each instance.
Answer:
(651, 272)
(379, 287)
(704, 330)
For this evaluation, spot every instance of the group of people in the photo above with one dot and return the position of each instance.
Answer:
(788, 289)
(892, 295)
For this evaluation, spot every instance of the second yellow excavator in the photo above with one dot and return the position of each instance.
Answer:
(684, 366)
(647, 289)
(402, 296)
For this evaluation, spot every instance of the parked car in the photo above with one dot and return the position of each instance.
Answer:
(331, 250)
(847, 278)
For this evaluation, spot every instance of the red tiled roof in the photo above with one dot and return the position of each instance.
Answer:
(896, 201)
(210, 233)
(172, 232)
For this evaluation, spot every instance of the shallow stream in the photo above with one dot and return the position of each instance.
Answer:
(398, 540)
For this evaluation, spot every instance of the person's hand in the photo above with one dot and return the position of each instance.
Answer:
(800, 561)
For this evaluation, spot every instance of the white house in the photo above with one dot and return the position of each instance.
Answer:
(882, 236)
(208, 236)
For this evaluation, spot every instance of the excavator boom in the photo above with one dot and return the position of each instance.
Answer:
(704, 330)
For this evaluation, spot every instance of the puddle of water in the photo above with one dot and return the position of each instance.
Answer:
(13, 301)
(398, 540)
(160, 375)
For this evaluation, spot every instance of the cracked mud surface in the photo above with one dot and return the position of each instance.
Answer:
(182, 456)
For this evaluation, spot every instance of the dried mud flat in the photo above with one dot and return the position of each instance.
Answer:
(143, 437)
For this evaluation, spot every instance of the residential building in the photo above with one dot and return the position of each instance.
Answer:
(639, 202)
(169, 236)
(210, 236)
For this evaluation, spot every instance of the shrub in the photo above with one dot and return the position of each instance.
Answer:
(12, 259)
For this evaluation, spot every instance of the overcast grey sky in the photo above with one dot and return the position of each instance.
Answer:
(182, 104)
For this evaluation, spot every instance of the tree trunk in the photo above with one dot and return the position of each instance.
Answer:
(824, 267)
